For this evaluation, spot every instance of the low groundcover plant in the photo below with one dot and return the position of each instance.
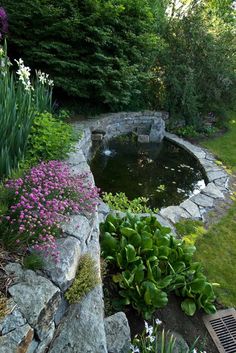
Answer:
(40, 202)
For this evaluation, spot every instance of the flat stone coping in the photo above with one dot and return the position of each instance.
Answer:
(216, 189)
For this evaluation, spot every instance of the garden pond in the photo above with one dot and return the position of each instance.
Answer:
(163, 172)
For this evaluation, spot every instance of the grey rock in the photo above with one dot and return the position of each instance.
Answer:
(63, 272)
(17, 341)
(76, 158)
(78, 226)
(180, 343)
(11, 322)
(44, 345)
(103, 208)
(222, 183)
(63, 306)
(213, 191)
(191, 208)
(117, 333)
(209, 166)
(82, 329)
(216, 175)
(37, 299)
(14, 270)
(174, 213)
(203, 200)
(209, 156)
(33, 347)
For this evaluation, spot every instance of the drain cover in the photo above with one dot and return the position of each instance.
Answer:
(222, 328)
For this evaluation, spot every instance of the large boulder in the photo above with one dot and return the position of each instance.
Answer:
(117, 333)
(82, 328)
(63, 272)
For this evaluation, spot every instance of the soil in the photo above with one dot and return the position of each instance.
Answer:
(174, 319)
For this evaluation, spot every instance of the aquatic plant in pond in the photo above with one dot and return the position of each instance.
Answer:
(44, 198)
(164, 173)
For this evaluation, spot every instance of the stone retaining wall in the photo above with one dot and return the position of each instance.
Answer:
(108, 126)
(40, 320)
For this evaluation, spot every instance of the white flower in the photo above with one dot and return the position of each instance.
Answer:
(50, 83)
(149, 329)
(134, 349)
(44, 78)
(24, 74)
(152, 338)
(158, 322)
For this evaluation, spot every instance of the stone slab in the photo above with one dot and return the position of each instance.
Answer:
(191, 208)
(213, 191)
(174, 213)
(216, 175)
(203, 200)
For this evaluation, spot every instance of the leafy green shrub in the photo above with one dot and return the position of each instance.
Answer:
(86, 279)
(49, 139)
(120, 202)
(99, 51)
(147, 263)
(19, 100)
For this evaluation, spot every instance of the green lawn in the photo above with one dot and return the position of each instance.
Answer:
(224, 147)
(217, 248)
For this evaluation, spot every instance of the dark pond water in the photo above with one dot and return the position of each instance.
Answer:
(165, 173)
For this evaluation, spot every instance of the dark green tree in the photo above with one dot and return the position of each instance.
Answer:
(99, 51)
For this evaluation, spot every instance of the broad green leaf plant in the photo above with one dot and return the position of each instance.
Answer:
(147, 263)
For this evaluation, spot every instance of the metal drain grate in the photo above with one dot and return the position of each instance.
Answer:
(222, 328)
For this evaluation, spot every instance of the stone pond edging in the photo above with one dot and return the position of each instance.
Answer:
(40, 320)
(197, 206)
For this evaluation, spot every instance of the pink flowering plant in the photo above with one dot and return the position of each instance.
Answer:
(46, 196)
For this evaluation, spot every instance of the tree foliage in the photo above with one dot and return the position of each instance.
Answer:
(177, 55)
(97, 50)
(196, 73)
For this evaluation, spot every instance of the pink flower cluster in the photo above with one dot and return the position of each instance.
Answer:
(44, 199)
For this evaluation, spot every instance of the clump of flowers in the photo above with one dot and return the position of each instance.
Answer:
(154, 341)
(44, 199)
(44, 78)
(24, 74)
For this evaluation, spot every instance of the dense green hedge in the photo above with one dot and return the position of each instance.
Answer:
(97, 50)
